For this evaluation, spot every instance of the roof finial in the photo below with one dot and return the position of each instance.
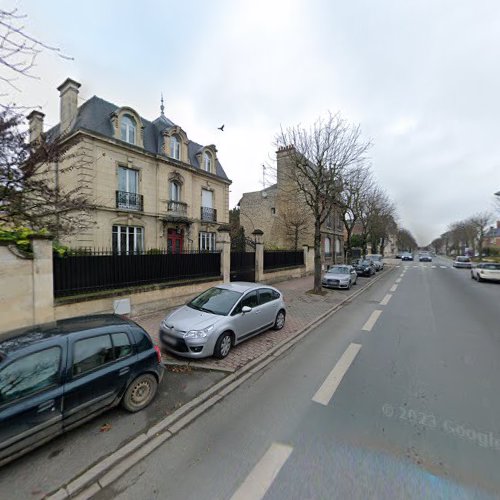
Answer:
(162, 107)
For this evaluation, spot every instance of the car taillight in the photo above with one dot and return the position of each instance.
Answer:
(158, 353)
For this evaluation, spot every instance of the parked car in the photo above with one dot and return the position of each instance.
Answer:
(486, 271)
(462, 261)
(425, 257)
(406, 256)
(56, 376)
(365, 268)
(377, 260)
(341, 276)
(222, 317)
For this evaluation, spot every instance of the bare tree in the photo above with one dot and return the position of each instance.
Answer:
(358, 182)
(29, 188)
(19, 49)
(295, 220)
(479, 223)
(318, 160)
(405, 240)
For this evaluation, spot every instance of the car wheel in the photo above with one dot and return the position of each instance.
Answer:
(279, 322)
(223, 345)
(479, 279)
(140, 393)
(349, 285)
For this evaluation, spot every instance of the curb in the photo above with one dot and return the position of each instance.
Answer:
(107, 470)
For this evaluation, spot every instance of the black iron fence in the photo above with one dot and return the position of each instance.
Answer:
(208, 214)
(89, 271)
(130, 201)
(278, 259)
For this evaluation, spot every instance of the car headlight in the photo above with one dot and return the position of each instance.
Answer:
(199, 334)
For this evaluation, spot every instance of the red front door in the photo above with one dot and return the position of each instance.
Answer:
(174, 241)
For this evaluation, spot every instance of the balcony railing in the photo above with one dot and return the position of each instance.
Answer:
(177, 207)
(130, 201)
(208, 214)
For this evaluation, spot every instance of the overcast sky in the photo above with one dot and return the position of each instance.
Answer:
(421, 77)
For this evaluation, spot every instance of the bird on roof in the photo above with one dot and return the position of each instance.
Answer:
(221, 128)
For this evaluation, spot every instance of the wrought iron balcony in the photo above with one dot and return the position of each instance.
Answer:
(177, 207)
(129, 201)
(208, 214)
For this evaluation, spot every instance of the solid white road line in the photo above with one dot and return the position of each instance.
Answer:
(393, 288)
(330, 385)
(385, 300)
(263, 474)
(367, 327)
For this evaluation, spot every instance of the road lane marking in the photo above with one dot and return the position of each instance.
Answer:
(393, 288)
(264, 473)
(415, 266)
(433, 267)
(398, 280)
(367, 327)
(385, 300)
(443, 267)
(325, 393)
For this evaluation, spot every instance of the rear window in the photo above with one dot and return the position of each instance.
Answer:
(463, 259)
(491, 267)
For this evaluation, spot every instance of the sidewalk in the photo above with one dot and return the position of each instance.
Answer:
(302, 309)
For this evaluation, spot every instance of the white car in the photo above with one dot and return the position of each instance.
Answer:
(486, 271)
(341, 276)
(462, 261)
(222, 317)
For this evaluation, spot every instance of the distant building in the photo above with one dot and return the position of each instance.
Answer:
(286, 220)
(492, 237)
(152, 186)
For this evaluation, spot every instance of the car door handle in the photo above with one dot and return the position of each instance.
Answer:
(124, 370)
(47, 405)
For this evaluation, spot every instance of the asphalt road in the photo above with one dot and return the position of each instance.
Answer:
(395, 396)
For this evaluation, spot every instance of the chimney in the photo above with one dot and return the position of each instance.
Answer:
(69, 103)
(35, 119)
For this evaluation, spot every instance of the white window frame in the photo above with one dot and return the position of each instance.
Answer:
(138, 238)
(206, 241)
(128, 129)
(129, 172)
(207, 161)
(328, 246)
(175, 191)
(175, 148)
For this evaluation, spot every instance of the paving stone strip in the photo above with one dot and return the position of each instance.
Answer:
(110, 468)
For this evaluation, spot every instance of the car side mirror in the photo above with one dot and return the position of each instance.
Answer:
(246, 309)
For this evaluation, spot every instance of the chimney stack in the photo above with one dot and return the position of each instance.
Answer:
(69, 103)
(35, 119)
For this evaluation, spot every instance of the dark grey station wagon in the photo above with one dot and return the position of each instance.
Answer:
(56, 376)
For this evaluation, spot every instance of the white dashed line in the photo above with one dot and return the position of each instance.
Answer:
(393, 288)
(330, 385)
(442, 267)
(385, 300)
(433, 267)
(367, 327)
(264, 473)
(398, 280)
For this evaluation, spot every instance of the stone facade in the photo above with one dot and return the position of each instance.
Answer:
(286, 221)
(128, 171)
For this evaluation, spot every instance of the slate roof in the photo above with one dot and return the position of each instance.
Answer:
(493, 232)
(95, 116)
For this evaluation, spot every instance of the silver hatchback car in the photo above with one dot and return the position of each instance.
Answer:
(222, 317)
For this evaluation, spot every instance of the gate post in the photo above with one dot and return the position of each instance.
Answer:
(43, 284)
(259, 254)
(224, 247)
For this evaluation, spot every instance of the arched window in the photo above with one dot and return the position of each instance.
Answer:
(175, 147)
(207, 162)
(128, 127)
(328, 246)
(175, 191)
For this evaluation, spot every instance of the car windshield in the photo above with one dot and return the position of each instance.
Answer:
(365, 262)
(338, 270)
(492, 267)
(215, 300)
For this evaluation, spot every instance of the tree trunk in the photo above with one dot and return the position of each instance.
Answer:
(317, 257)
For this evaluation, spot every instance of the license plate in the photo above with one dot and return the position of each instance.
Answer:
(170, 340)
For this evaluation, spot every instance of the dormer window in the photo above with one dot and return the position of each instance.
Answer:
(175, 148)
(128, 129)
(207, 162)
